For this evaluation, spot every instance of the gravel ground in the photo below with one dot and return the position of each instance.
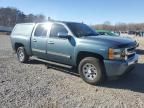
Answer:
(32, 85)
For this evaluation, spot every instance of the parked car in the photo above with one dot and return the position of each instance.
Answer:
(132, 32)
(106, 32)
(74, 45)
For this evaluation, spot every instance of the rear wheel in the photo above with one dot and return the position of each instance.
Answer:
(90, 70)
(21, 55)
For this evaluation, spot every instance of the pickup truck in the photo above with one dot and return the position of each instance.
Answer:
(74, 45)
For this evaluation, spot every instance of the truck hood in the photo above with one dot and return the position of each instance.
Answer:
(112, 41)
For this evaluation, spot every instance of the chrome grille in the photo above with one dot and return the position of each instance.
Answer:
(130, 52)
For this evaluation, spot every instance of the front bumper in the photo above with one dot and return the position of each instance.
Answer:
(118, 68)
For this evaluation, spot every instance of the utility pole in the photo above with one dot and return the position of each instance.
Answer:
(17, 14)
(49, 18)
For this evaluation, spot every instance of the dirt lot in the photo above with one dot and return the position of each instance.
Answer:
(33, 85)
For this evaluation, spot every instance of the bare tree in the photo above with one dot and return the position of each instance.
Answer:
(120, 26)
(10, 16)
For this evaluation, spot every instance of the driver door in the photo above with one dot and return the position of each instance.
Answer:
(60, 49)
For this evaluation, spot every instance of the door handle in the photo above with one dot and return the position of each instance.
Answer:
(34, 40)
(50, 42)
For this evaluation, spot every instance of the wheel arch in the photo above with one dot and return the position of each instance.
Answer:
(83, 54)
(17, 45)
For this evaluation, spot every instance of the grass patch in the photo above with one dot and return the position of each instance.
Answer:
(141, 41)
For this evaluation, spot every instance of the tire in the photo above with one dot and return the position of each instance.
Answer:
(90, 70)
(21, 55)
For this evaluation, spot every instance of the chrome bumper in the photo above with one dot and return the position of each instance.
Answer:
(133, 60)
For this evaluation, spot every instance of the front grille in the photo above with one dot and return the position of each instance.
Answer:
(131, 49)
(130, 52)
(131, 56)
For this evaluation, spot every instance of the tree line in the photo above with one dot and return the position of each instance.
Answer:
(10, 16)
(139, 27)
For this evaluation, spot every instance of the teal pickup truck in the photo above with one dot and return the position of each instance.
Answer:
(74, 45)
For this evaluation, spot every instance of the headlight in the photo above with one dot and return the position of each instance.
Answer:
(118, 54)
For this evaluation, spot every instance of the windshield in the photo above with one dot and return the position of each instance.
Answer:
(80, 29)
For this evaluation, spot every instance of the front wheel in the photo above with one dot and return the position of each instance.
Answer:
(21, 55)
(90, 70)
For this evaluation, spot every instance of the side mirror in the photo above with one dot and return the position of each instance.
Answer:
(63, 35)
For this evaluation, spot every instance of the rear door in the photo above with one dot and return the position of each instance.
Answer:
(39, 41)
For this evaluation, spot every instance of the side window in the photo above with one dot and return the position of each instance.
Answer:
(40, 31)
(57, 28)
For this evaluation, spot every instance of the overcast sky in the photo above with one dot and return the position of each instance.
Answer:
(88, 11)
